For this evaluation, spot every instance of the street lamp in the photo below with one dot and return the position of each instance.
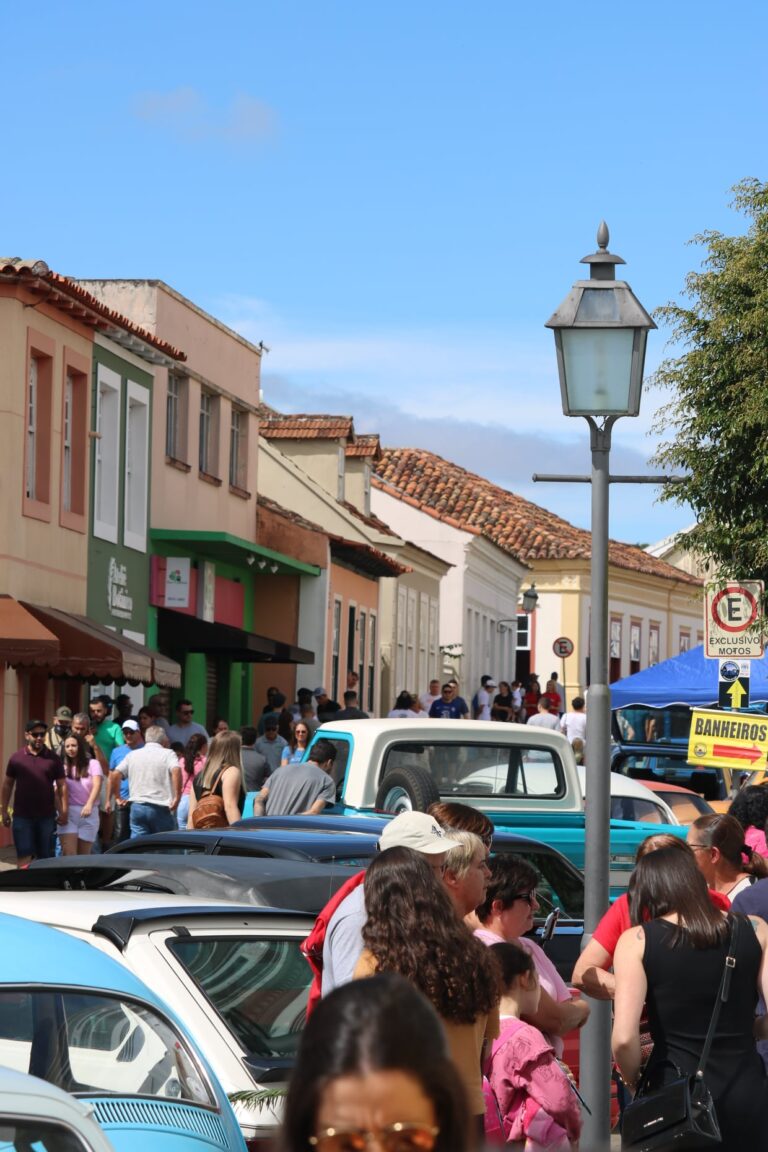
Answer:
(600, 336)
(530, 599)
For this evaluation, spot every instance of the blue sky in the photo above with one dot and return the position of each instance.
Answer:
(394, 197)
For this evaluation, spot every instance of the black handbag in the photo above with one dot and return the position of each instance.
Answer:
(680, 1114)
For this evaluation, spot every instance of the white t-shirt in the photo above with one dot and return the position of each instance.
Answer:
(427, 700)
(574, 725)
(483, 705)
(149, 774)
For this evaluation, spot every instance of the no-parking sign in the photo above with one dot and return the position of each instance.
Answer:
(563, 647)
(733, 620)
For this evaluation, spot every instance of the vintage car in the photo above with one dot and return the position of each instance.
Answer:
(82, 1021)
(36, 1116)
(524, 778)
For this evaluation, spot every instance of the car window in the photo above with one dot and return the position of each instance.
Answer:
(633, 808)
(559, 885)
(171, 849)
(88, 1043)
(462, 769)
(258, 986)
(38, 1136)
(686, 806)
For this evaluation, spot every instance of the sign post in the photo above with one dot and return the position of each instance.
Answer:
(734, 683)
(563, 647)
(733, 624)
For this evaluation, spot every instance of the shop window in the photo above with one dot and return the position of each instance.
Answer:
(106, 476)
(335, 649)
(614, 672)
(635, 641)
(176, 407)
(238, 449)
(37, 441)
(371, 663)
(653, 645)
(209, 434)
(363, 629)
(685, 640)
(74, 453)
(136, 467)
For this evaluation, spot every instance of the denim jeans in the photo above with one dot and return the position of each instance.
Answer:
(148, 818)
(34, 837)
(182, 813)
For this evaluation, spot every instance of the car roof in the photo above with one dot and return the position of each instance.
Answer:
(302, 885)
(296, 843)
(36, 953)
(31, 1097)
(662, 786)
(81, 909)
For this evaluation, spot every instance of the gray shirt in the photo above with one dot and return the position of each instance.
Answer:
(256, 769)
(344, 940)
(180, 733)
(294, 788)
(271, 750)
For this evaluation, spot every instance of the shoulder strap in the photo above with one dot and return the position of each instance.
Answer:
(212, 786)
(722, 994)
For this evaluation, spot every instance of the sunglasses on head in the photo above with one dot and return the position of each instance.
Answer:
(401, 1137)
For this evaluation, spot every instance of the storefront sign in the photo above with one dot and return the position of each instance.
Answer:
(119, 602)
(177, 582)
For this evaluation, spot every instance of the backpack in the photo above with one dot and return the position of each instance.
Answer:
(312, 946)
(209, 811)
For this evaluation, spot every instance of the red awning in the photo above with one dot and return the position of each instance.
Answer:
(89, 651)
(23, 639)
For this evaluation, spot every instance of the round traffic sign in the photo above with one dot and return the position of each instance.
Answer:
(563, 647)
(734, 609)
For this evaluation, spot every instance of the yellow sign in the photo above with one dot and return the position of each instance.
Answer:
(738, 739)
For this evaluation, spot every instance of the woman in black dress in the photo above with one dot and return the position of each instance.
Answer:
(674, 960)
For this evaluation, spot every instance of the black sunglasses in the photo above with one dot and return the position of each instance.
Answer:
(529, 897)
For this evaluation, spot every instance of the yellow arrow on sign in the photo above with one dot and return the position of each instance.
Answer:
(737, 692)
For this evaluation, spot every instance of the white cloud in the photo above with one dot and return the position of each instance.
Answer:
(185, 113)
(487, 400)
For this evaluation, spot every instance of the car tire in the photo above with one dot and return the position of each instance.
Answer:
(407, 789)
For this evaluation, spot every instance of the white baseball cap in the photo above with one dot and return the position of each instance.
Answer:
(131, 725)
(415, 830)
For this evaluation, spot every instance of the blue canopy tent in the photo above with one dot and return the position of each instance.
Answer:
(689, 678)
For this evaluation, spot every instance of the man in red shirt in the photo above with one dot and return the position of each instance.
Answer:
(37, 774)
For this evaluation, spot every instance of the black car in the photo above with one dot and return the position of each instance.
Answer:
(349, 843)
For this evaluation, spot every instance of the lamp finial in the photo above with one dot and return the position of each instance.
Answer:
(603, 236)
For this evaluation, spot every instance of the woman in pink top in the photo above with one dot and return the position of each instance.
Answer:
(505, 916)
(529, 1101)
(83, 776)
(750, 808)
(191, 764)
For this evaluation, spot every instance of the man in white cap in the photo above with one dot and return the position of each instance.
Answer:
(344, 940)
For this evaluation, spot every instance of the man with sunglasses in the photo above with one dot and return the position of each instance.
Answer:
(184, 726)
(35, 777)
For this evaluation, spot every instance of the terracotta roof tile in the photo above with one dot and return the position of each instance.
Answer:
(287, 514)
(365, 445)
(524, 530)
(371, 520)
(71, 298)
(304, 426)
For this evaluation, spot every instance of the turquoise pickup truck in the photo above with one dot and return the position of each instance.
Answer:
(525, 779)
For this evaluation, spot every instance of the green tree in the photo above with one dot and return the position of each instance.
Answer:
(716, 423)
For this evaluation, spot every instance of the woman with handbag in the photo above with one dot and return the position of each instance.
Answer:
(222, 776)
(700, 1019)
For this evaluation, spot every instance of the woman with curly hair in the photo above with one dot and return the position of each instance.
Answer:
(728, 864)
(413, 929)
(750, 808)
(373, 1066)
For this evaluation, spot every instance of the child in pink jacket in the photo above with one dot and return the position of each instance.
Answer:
(530, 1102)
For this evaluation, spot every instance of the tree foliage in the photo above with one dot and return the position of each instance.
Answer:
(716, 423)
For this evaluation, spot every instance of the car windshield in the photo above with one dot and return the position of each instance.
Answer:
(463, 769)
(258, 986)
(89, 1043)
(687, 806)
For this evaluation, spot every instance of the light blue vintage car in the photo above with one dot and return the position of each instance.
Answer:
(78, 1019)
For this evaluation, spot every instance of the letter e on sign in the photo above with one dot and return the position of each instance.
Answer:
(733, 620)
(563, 647)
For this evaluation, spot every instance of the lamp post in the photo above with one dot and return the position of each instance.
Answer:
(600, 336)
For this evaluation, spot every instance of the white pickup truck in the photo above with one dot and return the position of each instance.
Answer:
(524, 778)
